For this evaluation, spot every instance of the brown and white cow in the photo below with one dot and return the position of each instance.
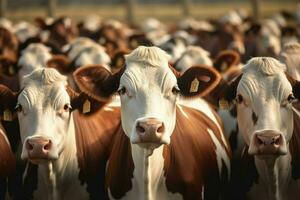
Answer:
(65, 150)
(270, 127)
(163, 150)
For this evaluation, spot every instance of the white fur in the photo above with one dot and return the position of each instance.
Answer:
(265, 89)
(42, 100)
(33, 57)
(193, 55)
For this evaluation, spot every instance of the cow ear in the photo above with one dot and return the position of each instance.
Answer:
(61, 63)
(228, 93)
(118, 60)
(8, 101)
(295, 85)
(97, 81)
(84, 103)
(8, 66)
(198, 81)
(225, 60)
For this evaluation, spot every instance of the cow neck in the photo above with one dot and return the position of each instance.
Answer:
(58, 175)
(148, 170)
(274, 174)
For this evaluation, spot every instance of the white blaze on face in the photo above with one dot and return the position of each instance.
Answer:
(193, 56)
(44, 113)
(33, 57)
(263, 105)
(146, 91)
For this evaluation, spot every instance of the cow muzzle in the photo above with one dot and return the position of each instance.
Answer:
(267, 142)
(39, 149)
(150, 132)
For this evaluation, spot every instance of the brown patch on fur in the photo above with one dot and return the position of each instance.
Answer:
(61, 63)
(295, 85)
(97, 81)
(295, 144)
(7, 158)
(226, 60)
(201, 73)
(8, 66)
(120, 166)
(229, 90)
(94, 137)
(190, 159)
(8, 44)
(118, 61)
(8, 98)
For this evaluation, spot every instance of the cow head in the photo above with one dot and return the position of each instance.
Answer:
(149, 90)
(44, 108)
(264, 95)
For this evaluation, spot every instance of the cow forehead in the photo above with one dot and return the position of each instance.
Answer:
(35, 95)
(265, 87)
(142, 73)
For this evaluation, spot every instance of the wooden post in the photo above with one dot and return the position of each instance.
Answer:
(255, 9)
(130, 4)
(51, 8)
(3, 7)
(186, 7)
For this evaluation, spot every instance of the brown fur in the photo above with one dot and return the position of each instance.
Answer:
(61, 63)
(190, 159)
(7, 158)
(8, 44)
(229, 58)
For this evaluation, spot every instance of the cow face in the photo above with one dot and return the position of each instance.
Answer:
(264, 98)
(148, 89)
(43, 109)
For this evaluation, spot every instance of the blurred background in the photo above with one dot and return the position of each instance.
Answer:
(137, 10)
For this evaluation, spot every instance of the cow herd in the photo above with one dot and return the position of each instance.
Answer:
(200, 109)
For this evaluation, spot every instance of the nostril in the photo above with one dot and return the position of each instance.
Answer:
(48, 146)
(140, 129)
(161, 129)
(29, 146)
(260, 141)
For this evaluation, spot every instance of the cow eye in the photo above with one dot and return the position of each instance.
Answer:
(175, 90)
(122, 91)
(18, 108)
(291, 98)
(239, 99)
(67, 107)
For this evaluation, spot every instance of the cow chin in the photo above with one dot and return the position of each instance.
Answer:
(150, 144)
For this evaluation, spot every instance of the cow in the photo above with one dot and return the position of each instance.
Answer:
(269, 123)
(63, 149)
(33, 56)
(164, 149)
(191, 56)
(290, 56)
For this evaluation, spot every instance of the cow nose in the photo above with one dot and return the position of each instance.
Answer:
(150, 130)
(38, 148)
(267, 143)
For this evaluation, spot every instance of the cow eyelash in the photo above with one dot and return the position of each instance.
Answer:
(291, 98)
(239, 99)
(122, 91)
(175, 90)
(67, 107)
(18, 108)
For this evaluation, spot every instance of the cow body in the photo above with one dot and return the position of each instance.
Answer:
(270, 128)
(187, 157)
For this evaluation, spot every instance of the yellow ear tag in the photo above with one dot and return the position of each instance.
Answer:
(223, 104)
(194, 85)
(11, 70)
(223, 66)
(7, 115)
(86, 107)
